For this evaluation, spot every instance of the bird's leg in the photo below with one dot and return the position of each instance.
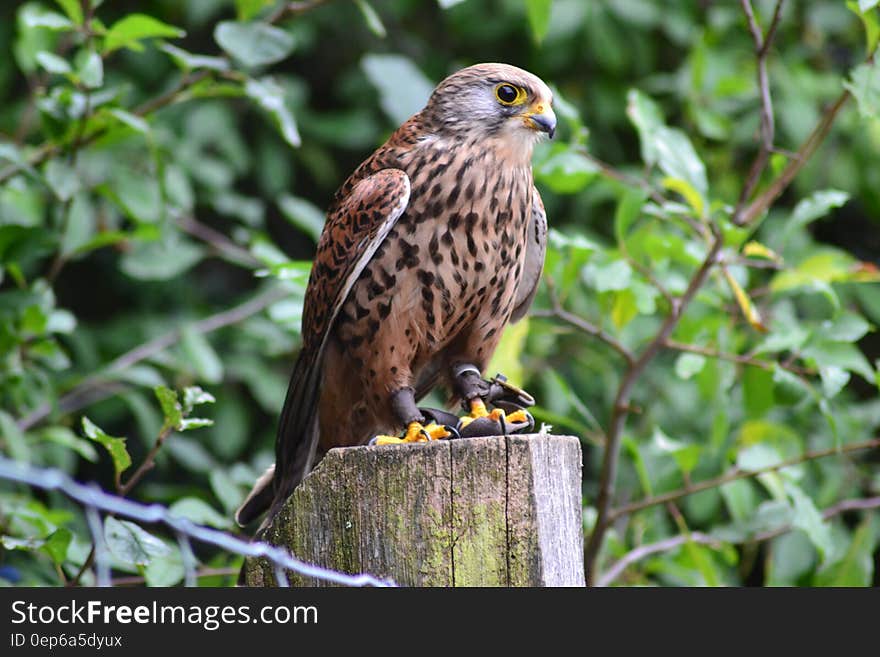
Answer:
(403, 405)
(473, 390)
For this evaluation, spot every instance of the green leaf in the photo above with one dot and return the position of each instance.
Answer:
(194, 396)
(856, 568)
(66, 438)
(686, 456)
(226, 490)
(864, 85)
(200, 513)
(33, 15)
(62, 178)
(247, 9)
(201, 356)
(757, 391)
(667, 147)
(446, 4)
(194, 423)
(53, 63)
(647, 117)
(792, 555)
(566, 171)
(688, 365)
(612, 275)
(188, 61)
(508, 356)
(403, 88)
(165, 569)
(808, 518)
(740, 499)
(843, 355)
(131, 544)
(834, 379)
(864, 10)
(624, 308)
(372, 18)
(846, 327)
(687, 191)
(758, 457)
(538, 12)
(90, 69)
(57, 544)
(133, 121)
(254, 44)
(128, 32)
(161, 261)
(629, 209)
(303, 214)
(816, 272)
(115, 446)
(815, 206)
(678, 159)
(73, 9)
(270, 96)
(171, 410)
(13, 439)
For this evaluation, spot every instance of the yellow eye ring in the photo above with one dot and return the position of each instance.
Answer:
(508, 94)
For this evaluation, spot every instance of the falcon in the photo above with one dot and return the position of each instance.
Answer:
(430, 248)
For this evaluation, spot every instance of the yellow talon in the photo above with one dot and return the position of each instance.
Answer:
(415, 433)
(388, 440)
(478, 410)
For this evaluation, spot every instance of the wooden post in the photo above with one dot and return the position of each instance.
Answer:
(500, 511)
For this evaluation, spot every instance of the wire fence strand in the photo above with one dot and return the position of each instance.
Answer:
(94, 500)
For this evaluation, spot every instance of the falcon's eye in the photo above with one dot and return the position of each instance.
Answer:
(507, 94)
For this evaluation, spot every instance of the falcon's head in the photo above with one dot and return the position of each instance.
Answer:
(493, 101)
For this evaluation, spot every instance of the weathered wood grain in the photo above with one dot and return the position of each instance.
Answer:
(501, 511)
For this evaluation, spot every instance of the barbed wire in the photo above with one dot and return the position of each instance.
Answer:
(94, 500)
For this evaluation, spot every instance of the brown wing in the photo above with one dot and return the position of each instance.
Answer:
(356, 225)
(536, 248)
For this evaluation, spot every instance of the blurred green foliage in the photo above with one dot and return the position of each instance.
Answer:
(163, 169)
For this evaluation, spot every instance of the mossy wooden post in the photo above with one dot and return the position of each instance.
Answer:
(501, 511)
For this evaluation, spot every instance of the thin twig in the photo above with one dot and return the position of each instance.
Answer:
(96, 387)
(735, 474)
(742, 359)
(643, 551)
(291, 9)
(148, 463)
(558, 312)
(221, 244)
(768, 125)
(621, 408)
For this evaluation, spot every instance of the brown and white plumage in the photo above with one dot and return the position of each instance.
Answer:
(430, 248)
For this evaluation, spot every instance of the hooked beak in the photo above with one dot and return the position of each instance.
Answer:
(542, 118)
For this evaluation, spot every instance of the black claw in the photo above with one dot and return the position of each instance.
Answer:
(439, 417)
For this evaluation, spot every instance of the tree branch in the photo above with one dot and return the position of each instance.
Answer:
(581, 324)
(768, 125)
(622, 408)
(736, 474)
(222, 245)
(742, 359)
(96, 387)
(648, 549)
